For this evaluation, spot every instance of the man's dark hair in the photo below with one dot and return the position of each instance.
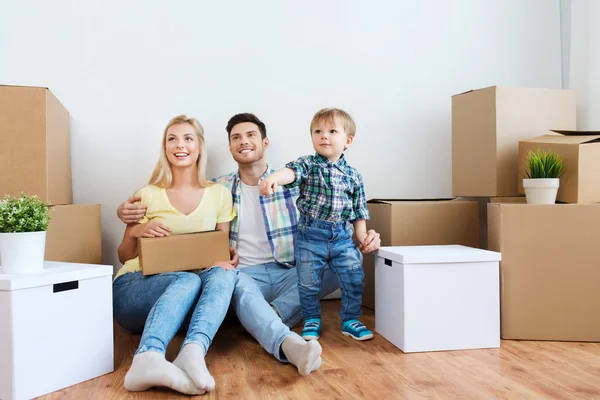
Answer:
(246, 117)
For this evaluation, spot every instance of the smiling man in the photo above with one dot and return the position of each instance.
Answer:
(266, 296)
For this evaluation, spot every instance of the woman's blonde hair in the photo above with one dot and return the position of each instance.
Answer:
(162, 175)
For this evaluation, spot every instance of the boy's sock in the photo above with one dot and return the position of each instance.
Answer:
(191, 360)
(306, 356)
(150, 369)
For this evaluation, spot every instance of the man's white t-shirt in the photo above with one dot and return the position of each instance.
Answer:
(252, 245)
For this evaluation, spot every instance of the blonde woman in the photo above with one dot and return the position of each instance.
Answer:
(179, 200)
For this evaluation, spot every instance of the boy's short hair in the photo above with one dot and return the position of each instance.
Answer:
(330, 114)
(246, 117)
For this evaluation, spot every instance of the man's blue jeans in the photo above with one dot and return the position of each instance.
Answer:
(319, 243)
(261, 288)
(157, 305)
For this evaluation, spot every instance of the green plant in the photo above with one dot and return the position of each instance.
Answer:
(544, 164)
(23, 214)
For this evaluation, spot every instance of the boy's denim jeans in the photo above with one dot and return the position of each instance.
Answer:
(157, 305)
(261, 287)
(319, 243)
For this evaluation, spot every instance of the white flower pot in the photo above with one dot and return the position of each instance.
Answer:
(541, 191)
(22, 252)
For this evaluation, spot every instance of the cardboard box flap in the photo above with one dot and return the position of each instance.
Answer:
(436, 254)
(557, 139)
(474, 90)
(576, 133)
(25, 86)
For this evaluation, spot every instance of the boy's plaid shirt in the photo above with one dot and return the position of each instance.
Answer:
(332, 192)
(279, 212)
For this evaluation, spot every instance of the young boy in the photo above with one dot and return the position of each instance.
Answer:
(331, 197)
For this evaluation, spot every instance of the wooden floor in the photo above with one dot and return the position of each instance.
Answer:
(370, 370)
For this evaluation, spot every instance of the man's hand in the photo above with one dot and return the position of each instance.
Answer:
(268, 185)
(131, 213)
(150, 229)
(223, 264)
(231, 264)
(235, 259)
(370, 243)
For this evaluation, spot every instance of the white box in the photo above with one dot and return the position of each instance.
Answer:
(56, 328)
(431, 298)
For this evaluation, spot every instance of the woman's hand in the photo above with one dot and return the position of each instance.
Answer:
(150, 229)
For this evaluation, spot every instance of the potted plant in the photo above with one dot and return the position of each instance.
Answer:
(23, 224)
(542, 180)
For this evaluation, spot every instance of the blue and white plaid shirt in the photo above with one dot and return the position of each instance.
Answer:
(279, 212)
(332, 192)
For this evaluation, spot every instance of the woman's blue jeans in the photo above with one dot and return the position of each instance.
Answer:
(157, 305)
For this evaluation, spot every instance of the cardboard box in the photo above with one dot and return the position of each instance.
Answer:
(75, 234)
(435, 298)
(483, 202)
(487, 125)
(183, 252)
(419, 222)
(57, 328)
(35, 146)
(550, 270)
(580, 182)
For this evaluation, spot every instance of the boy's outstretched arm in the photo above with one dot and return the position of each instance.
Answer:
(281, 177)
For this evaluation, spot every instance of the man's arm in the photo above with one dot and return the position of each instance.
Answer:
(131, 213)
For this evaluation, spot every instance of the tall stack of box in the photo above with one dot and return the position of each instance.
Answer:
(548, 269)
(35, 158)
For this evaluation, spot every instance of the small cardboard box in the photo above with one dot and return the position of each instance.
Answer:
(57, 328)
(183, 252)
(419, 222)
(550, 270)
(487, 125)
(580, 181)
(35, 145)
(74, 234)
(434, 298)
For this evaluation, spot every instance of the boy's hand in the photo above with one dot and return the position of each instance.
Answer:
(361, 237)
(370, 242)
(131, 213)
(267, 186)
(150, 229)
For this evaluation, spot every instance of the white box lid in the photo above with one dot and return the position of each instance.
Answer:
(436, 254)
(54, 272)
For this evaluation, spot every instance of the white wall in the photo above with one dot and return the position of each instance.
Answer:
(124, 68)
(584, 61)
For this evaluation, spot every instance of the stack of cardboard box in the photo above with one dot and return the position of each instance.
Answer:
(549, 269)
(35, 158)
